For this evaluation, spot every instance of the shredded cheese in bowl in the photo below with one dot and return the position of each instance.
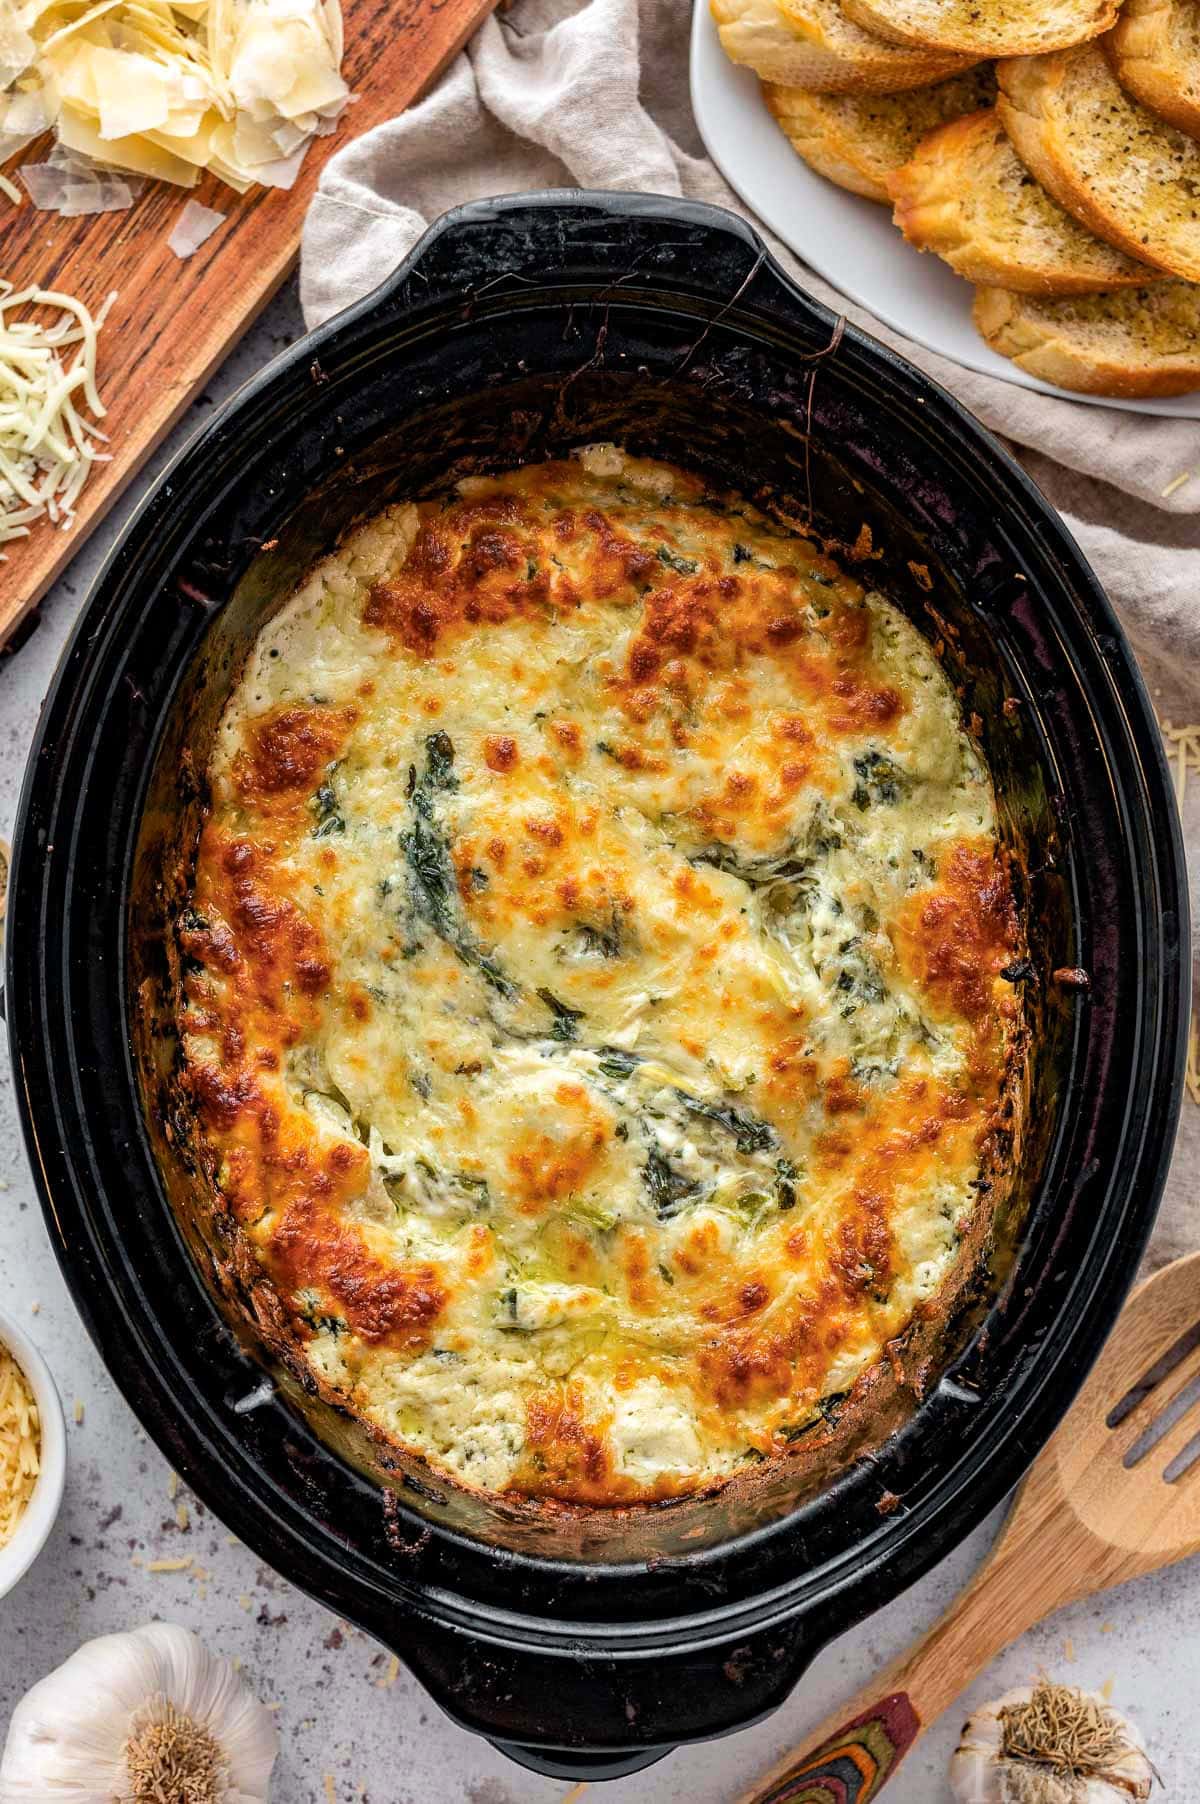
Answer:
(20, 1445)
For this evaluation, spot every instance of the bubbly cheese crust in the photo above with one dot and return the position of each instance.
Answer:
(595, 1012)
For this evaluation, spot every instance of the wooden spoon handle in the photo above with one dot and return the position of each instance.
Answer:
(850, 1757)
(849, 1762)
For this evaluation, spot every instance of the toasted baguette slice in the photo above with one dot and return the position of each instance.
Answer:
(1142, 341)
(813, 45)
(966, 194)
(857, 140)
(1154, 49)
(985, 27)
(1115, 165)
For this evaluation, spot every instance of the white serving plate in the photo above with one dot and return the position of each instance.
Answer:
(850, 241)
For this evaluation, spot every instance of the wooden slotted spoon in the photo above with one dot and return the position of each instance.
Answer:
(1113, 1495)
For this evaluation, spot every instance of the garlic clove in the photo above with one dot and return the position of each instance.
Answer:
(210, 1691)
(1099, 1756)
(73, 1736)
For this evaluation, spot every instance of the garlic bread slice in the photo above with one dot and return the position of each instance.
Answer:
(1138, 343)
(985, 27)
(812, 44)
(858, 140)
(1154, 49)
(966, 195)
(1126, 173)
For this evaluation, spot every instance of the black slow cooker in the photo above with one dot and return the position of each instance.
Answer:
(518, 328)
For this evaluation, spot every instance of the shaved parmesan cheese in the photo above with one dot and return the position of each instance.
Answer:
(133, 92)
(74, 192)
(139, 154)
(286, 62)
(286, 138)
(48, 445)
(194, 225)
(281, 172)
(77, 162)
(24, 113)
(17, 48)
(23, 117)
(168, 88)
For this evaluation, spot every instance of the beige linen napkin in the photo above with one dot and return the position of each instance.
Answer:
(592, 93)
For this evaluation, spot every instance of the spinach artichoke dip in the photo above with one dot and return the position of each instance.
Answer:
(595, 1015)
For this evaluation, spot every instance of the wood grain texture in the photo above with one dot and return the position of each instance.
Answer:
(173, 322)
(1081, 1522)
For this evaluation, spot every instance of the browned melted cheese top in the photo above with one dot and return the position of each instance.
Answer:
(596, 1010)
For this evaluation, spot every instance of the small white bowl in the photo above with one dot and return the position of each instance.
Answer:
(38, 1519)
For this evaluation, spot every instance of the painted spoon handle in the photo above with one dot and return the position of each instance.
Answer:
(850, 1764)
(851, 1756)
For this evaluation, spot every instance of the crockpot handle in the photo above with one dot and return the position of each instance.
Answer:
(684, 1694)
(493, 251)
(624, 1710)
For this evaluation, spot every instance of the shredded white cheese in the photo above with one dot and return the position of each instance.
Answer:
(20, 1443)
(48, 442)
(170, 88)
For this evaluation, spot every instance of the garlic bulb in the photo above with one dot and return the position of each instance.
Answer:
(1050, 1744)
(146, 1715)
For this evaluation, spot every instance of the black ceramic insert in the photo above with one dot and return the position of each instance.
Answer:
(519, 328)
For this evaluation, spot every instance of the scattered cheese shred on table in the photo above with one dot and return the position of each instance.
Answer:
(168, 1565)
(20, 1444)
(171, 88)
(48, 444)
(1183, 754)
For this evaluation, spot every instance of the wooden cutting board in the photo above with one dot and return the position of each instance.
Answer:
(173, 321)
